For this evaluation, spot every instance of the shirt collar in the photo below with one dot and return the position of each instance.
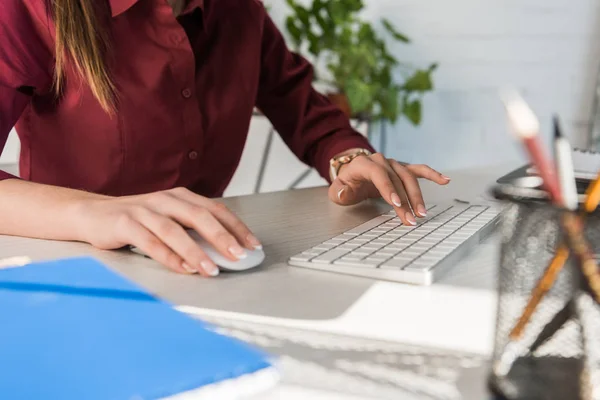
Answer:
(118, 7)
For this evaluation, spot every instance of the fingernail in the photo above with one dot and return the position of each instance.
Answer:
(339, 194)
(238, 252)
(445, 177)
(421, 210)
(254, 242)
(189, 269)
(210, 268)
(411, 219)
(396, 200)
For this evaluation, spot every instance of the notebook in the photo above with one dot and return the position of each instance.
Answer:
(586, 164)
(73, 329)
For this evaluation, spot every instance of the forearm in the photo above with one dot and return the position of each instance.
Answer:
(40, 211)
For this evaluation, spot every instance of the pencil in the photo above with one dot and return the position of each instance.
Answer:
(543, 286)
(592, 199)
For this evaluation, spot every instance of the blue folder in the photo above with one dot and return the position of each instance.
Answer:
(73, 329)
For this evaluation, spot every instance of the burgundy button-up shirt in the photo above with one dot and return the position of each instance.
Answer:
(187, 88)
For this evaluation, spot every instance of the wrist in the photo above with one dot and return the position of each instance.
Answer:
(344, 158)
(77, 214)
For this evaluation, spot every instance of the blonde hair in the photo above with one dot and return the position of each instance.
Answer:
(81, 39)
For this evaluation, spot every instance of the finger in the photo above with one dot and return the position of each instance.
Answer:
(202, 221)
(228, 219)
(354, 185)
(173, 235)
(412, 187)
(405, 211)
(137, 235)
(235, 225)
(425, 171)
(384, 183)
(344, 194)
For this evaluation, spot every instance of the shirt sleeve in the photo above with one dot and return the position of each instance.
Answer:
(312, 127)
(24, 64)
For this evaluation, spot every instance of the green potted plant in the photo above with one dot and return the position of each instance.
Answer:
(357, 61)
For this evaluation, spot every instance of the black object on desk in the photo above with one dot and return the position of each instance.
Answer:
(524, 172)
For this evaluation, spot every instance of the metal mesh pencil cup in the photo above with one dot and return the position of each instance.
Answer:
(566, 365)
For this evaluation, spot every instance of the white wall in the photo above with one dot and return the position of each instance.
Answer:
(546, 48)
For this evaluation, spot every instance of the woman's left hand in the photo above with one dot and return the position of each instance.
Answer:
(375, 176)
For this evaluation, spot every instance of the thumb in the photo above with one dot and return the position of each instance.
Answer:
(344, 194)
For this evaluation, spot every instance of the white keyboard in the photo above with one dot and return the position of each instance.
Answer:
(383, 248)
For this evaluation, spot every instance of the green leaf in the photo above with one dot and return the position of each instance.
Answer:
(294, 31)
(392, 31)
(412, 110)
(419, 82)
(389, 103)
(314, 43)
(359, 95)
(304, 16)
(366, 33)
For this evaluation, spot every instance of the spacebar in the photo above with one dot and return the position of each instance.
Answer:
(369, 225)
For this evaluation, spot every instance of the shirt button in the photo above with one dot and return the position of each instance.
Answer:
(192, 155)
(187, 93)
(175, 38)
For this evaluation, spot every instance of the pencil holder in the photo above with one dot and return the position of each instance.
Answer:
(556, 354)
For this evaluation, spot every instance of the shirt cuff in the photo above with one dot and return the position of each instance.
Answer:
(337, 143)
(6, 175)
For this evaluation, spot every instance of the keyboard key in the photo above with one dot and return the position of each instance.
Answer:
(351, 258)
(369, 225)
(420, 247)
(375, 261)
(378, 242)
(379, 231)
(359, 240)
(305, 256)
(369, 236)
(384, 253)
(324, 247)
(343, 237)
(348, 246)
(397, 247)
(395, 263)
(330, 256)
(412, 253)
(361, 263)
(427, 241)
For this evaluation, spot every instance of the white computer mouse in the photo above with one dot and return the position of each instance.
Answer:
(253, 257)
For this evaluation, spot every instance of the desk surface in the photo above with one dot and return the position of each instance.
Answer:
(290, 222)
(287, 223)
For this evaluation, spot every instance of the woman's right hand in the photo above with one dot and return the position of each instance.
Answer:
(155, 224)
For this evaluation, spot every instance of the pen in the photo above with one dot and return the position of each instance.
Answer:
(564, 164)
(526, 126)
(566, 175)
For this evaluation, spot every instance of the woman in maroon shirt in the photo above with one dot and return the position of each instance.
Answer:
(133, 113)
